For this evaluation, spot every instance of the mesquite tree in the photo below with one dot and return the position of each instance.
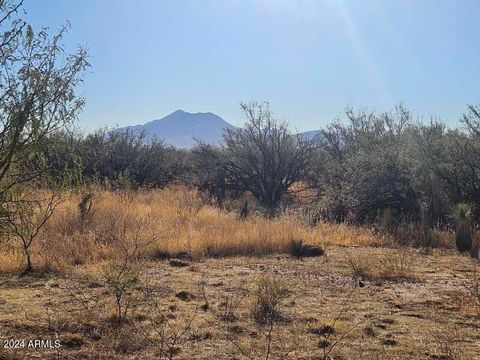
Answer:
(38, 94)
(264, 157)
(38, 97)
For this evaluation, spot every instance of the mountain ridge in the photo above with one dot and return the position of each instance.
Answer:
(181, 128)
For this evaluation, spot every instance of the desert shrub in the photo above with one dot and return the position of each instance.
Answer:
(455, 160)
(414, 234)
(124, 159)
(269, 294)
(120, 278)
(264, 157)
(362, 166)
(38, 96)
(122, 272)
(444, 238)
(398, 264)
(385, 222)
(163, 327)
(85, 207)
(229, 304)
(299, 249)
(361, 266)
(26, 214)
(373, 163)
(209, 170)
(429, 239)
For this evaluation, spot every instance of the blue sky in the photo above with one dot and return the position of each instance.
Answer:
(308, 58)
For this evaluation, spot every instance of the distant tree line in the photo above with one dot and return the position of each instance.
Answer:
(360, 168)
(116, 159)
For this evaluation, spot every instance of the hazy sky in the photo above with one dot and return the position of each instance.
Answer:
(309, 59)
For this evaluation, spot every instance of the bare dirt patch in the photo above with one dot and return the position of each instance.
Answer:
(429, 315)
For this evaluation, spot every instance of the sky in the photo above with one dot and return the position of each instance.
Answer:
(309, 59)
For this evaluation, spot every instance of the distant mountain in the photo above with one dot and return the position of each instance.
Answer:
(310, 134)
(180, 128)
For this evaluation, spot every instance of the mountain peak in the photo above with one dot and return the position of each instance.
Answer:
(179, 112)
(180, 128)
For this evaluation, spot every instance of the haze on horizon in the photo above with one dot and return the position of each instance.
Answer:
(309, 59)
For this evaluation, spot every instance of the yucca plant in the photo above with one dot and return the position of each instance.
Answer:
(462, 215)
(296, 247)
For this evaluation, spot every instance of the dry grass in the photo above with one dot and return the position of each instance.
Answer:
(393, 264)
(200, 307)
(177, 219)
(386, 320)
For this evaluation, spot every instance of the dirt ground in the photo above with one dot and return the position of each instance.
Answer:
(397, 304)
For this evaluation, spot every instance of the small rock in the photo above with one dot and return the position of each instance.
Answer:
(391, 342)
(324, 330)
(322, 344)
(183, 255)
(178, 263)
(72, 341)
(369, 331)
(161, 255)
(235, 329)
(184, 295)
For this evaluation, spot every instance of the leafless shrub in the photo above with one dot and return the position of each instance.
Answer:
(329, 341)
(395, 265)
(475, 286)
(399, 264)
(447, 345)
(268, 296)
(26, 214)
(361, 266)
(120, 278)
(122, 274)
(163, 328)
(229, 304)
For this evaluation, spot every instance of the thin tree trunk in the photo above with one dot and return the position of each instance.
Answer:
(29, 267)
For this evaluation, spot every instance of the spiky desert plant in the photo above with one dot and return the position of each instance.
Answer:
(296, 248)
(462, 215)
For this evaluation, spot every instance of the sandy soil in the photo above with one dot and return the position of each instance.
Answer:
(405, 305)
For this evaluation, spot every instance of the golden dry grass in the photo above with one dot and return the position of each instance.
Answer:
(171, 220)
(382, 302)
